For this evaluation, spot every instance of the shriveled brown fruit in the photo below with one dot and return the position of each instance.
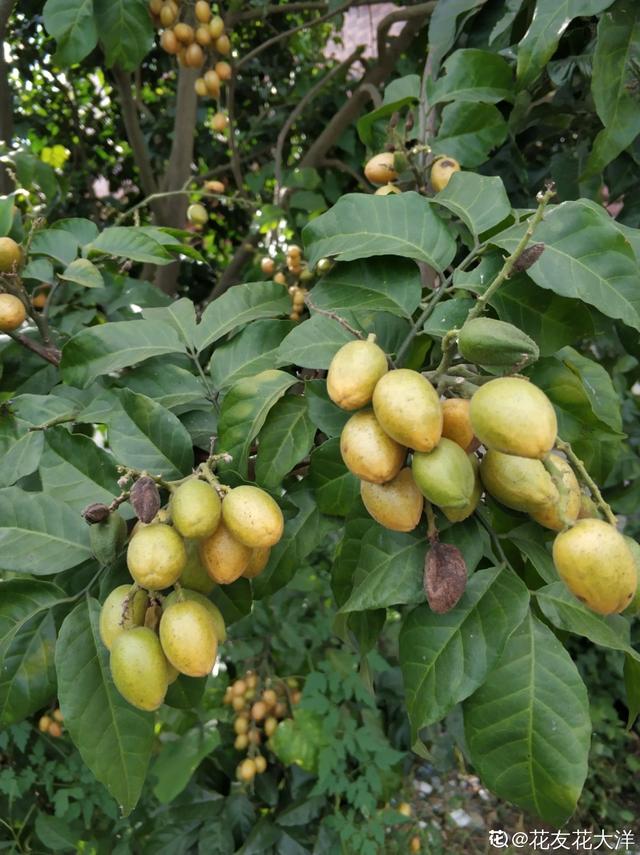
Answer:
(445, 577)
(145, 499)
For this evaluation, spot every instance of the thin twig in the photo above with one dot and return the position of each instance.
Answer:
(584, 476)
(335, 316)
(51, 354)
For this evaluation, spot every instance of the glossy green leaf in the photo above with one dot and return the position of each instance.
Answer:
(179, 758)
(83, 230)
(325, 415)
(166, 383)
(313, 343)
(249, 352)
(357, 524)
(20, 450)
(39, 534)
(114, 739)
(125, 30)
(336, 489)
(83, 272)
(38, 269)
(128, 242)
(40, 409)
(72, 25)
(448, 315)
(60, 245)
(528, 728)
(285, 439)
(530, 545)
(399, 93)
(469, 132)
(238, 306)
(479, 201)
(181, 315)
(234, 600)
(6, 220)
(445, 22)
(185, 692)
(474, 75)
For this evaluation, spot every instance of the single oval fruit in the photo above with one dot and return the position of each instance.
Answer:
(184, 33)
(107, 538)
(195, 509)
(634, 548)
(444, 476)
(212, 82)
(396, 505)
(520, 483)
(267, 265)
(223, 70)
(380, 169)
(194, 596)
(219, 122)
(513, 416)
(596, 565)
(156, 556)
(252, 516)
(486, 341)
(353, 373)
(194, 56)
(197, 215)
(194, 576)
(459, 514)
(408, 409)
(113, 620)
(387, 190)
(216, 27)
(12, 313)
(224, 558)
(203, 11)
(169, 42)
(441, 172)
(368, 451)
(258, 561)
(139, 668)
(200, 87)
(10, 255)
(223, 45)
(456, 423)
(551, 515)
(188, 638)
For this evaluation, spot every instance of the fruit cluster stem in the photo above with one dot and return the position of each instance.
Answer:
(563, 491)
(139, 473)
(584, 476)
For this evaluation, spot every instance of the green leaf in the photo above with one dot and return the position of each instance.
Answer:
(82, 272)
(324, 414)
(238, 306)
(251, 351)
(361, 225)
(285, 439)
(114, 738)
(474, 75)
(612, 84)
(480, 202)
(244, 411)
(125, 242)
(20, 450)
(632, 687)
(527, 540)
(60, 245)
(126, 31)
(446, 657)
(398, 94)
(56, 834)
(234, 600)
(185, 692)
(179, 759)
(550, 19)
(385, 285)
(528, 727)
(166, 383)
(83, 230)
(448, 315)
(597, 384)
(357, 524)
(6, 218)
(73, 26)
(606, 279)
(40, 534)
(444, 26)
(313, 343)
(39, 270)
(145, 435)
(336, 489)
(104, 349)
(469, 132)
(27, 643)
(566, 612)
(181, 315)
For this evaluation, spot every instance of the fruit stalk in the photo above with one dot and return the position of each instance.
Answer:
(584, 476)
(564, 493)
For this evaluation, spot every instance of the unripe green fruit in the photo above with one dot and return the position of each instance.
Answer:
(156, 556)
(550, 515)
(194, 576)
(354, 372)
(139, 668)
(188, 638)
(195, 509)
(634, 548)
(444, 476)
(368, 451)
(459, 514)
(252, 516)
(214, 611)
(258, 561)
(224, 558)
(396, 505)
(520, 483)
(513, 416)
(111, 615)
(107, 538)
(487, 341)
(596, 564)
(408, 409)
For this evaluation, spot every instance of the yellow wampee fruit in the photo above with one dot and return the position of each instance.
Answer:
(597, 566)
(214, 611)
(512, 415)
(396, 505)
(387, 190)
(408, 409)
(257, 562)
(139, 668)
(634, 606)
(111, 614)
(156, 556)
(10, 255)
(224, 558)
(194, 576)
(172, 673)
(380, 169)
(456, 422)
(460, 514)
(444, 476)
(588, 508)
(12, 313)
(188, 638)
(368, 451)
(520, 483)
(195, 509)
(354, 372)
(549, 516)
(252, 516)
(441, 172)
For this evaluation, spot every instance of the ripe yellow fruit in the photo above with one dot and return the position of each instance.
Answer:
(459, 514)
(247, 770)
(380, 169)
(197, 214)
(203, 36)
(139, 668)
(44, 723)
(224, 558)
(216, 27)
(168, 14)
(55, 730)
(219, 122)
(184, 33)
(156, 556)
(634, 548)
(196, 597)
(456, 423)
(408, 409)
(368, 451)
(212, 82)
(521, 483)
(169, 42)
(261, 764)
(258, 561)
(215, 187)
(57, 714)
(596, 564)
(270, 725)
(241, 724)
(203, 11)
(223, 45)
(270, 697)
(267, 266)
(39, 300)
(512, 415)
(405, 809)
(396, 505)
(223, 70)
(201, 87)
(441, 172)
(195, 509)
(280, 279)
(239, 688)
(259, 710)
(12, 313)
(238, 703)
(387, 190)
(241, 742)
(550, 515)
(444, 476)
(253, 517)
(111, 615)
(353, 373)
(188, 638)
(194, 57)
(155, 6)
(414, 844)
(194, 576)
(588, 508)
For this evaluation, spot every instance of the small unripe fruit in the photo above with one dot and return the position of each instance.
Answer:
(324, 265)
(253, 517)
(408, 409)
(139, 668)
(223, 45)
(380, 169)
(353, 373)
(456, 423)
(188, 638)
(156, 557)
(169, 42)
(247, 770)
(241, 742)
(203, 11)
(216, 27)
(368, 451)
(241, 724)
(444, 475)
(44, 723)
(112, 621)
(397, 505)
(12, 313)
(219, 122)
(223, 70)
(55, 730)
(267, 266)
(195, 506)
(261, 763)
(441, 172)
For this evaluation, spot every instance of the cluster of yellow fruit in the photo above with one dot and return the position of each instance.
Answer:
(294, 273)
(258, 706)
(51, 724)
(12, 310)
(381, 169)
(198, 541)
(514, 421)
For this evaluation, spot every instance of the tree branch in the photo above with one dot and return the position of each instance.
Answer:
(51, 354)
(236, 168)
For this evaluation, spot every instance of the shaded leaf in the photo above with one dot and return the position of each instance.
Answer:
(285, 439)
(249, 352)
(480, 202)
(313, 343)
(238, 306)
(474, 75)
(469, 132)
(81, 271)
(335, 487)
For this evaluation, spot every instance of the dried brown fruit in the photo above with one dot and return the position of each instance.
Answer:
(529, 257)
(145, 499)
(95, 513)
(445, 577)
